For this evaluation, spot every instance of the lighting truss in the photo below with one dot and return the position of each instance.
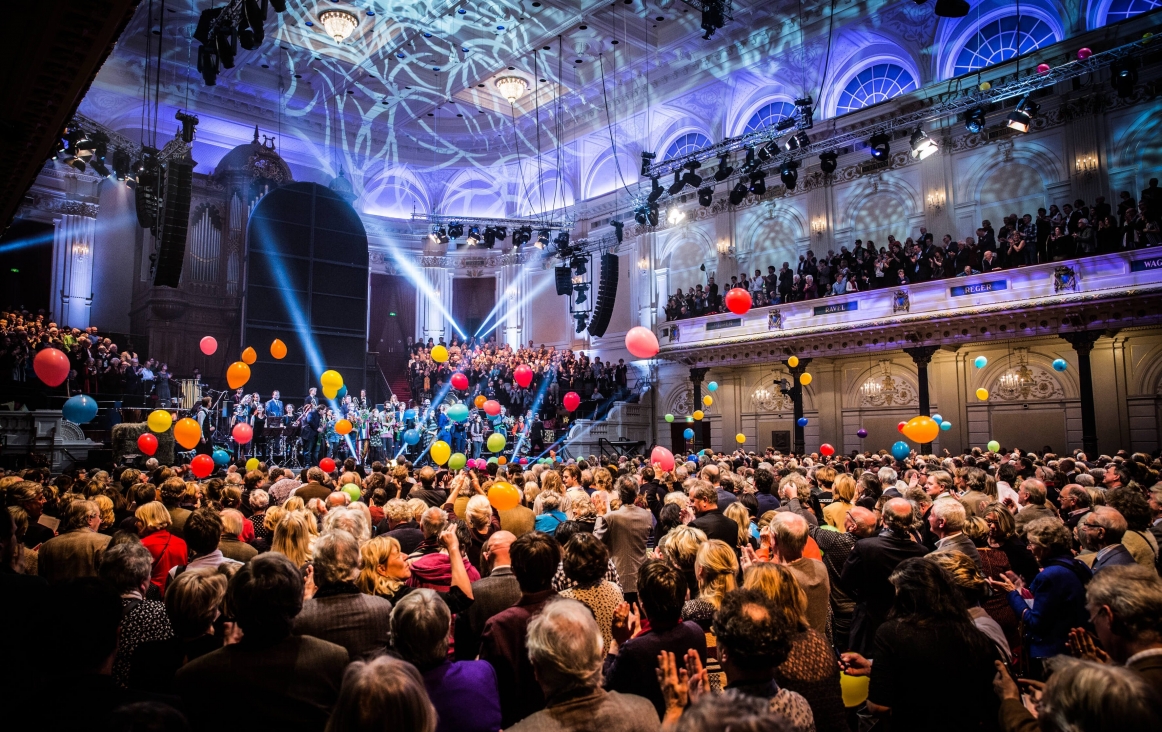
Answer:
(566, 223)
(955, 104)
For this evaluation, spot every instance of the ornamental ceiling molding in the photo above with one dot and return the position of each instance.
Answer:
(1026, 382)
(56, 206)
(386, 262)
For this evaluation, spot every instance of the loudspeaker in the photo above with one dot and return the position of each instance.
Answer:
(564, 280)
(606, 295)
(175, 218)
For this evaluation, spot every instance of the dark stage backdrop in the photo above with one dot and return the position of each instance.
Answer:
(306, 283)
(26, 266)
(392, 320)
(472, 300)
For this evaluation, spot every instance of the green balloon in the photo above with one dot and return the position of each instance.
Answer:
(994, 446)
(669, 418)
(457, 461)
(496, 442)
(492, 461)
(352, 490)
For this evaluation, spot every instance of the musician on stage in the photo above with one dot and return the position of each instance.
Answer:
(205, 424)
(312, 397)
(242, 409)
(312, 427)
(274, 407)
(258, 422)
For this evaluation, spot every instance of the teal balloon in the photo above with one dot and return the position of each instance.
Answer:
(712, 386)
(945, 426)
(669, 418)
(221, 457)
(342, 392)
(688, 434)
(937, 418)
(901, 450)
(409, 414)
(80, 409)
(1060, 364)
(458, 412)
(980, 362)
(411, 436)
(457, 461)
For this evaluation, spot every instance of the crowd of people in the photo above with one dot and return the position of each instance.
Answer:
(490, 369)
(1054, 234)
(98, 365)
(743, 591)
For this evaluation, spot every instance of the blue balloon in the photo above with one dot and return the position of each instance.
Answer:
(980, 362)
(80, 409)
(409, 414)
(688, 434)
(802, 422)
(712, 386)
(342, 392)
(901, 450)
(693, 458)
(937, 418)
(411, 436)
(221, 457)
(1060, 364)
(458, 412)
(945, 426)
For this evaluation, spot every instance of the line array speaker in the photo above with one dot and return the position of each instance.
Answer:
(564, 280)
(175, 218)
(606, 295)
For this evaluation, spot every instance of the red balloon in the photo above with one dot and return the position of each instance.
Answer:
(572, 401)
(202, 465)
(738, 301)
(52, 366)
(459, 381)
(662, 458)
(208, 345)
(327, 464)
(243, 433)
(641, 342)
(492, 407)
(826, 450)
(523, 376)
(147, 443)
(900, 427)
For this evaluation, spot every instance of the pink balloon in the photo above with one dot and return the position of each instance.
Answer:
(572, 400)
(523, 376)
(641, 342)
(492, 407)
(662, 458)
(208, 345)
(1084, 53)
(243, 433)
(1042, 68)
(51, 366)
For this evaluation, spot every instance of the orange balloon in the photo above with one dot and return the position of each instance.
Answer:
(342, 427)
(479, 401)
(503, 496)
(237, 375)
(249, 356)
(501, 460)
(921, 429)
(278, 349)
(187, 433)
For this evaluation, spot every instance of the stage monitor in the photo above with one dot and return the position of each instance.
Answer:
(306, 285)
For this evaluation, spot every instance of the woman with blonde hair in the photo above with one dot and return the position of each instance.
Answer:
(843, 491)
(680, 549)
(294, 537)
(551, 481)
(167, 550)
(737, 513)
(811, 668)
(581, 509)
(385, 569)
(294, 503)
(107, 518)
(716, 569)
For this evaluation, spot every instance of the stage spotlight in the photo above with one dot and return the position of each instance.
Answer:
(678, 183)
(647, 160)
(738, 193)
(724, 169)
(208, 64)
(764, 153)
(1123, 76)
(562, 242)
(713, 18)
(829, 161)
(749, 163)
(443, 234)
(121, 163)
(225, 43)
(691, 178)
(758, 182)
(642, 215)
(433, 237)
(922, 145)
(796, 141)
(578, 263)
(806, 113)
(582, 321)
(789, 174)
(618, 229)
(582, 291)
(489, 237)
(543, 239)
(522, 236)
(500, 232)
(455, 231)
(974, 120)
(652, 216)
(1021, 118)
(100, 151)
(879, 146)
(474, 231)
(705, 196)
(656, 190)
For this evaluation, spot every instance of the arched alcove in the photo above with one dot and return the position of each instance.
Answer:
(1011, 188)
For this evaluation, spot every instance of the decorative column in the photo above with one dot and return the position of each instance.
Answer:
(922, 356)
(696, 377)
(796, 394)
(511, 286)
(431, 306)
(1082, 342)
(72, 265)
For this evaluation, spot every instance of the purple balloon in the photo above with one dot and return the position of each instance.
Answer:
(862, 433)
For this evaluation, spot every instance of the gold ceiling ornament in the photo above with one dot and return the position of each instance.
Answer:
(512, 88)
(339, 24)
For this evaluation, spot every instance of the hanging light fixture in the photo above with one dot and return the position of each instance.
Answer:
(339, 24)
(922, 145)
(512, 88)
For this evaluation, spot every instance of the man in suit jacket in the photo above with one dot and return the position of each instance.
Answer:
(946, 520)
(1101, 532)
(788, 538)
(1125, 603)
(491, 595)
(315, 488)
(292, 681)
(518, 520)
(865, 574)
(1033, 496)
(625, 532)
(77, 551)
(709, 517)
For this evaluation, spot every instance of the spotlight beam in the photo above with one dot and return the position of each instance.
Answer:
(413, 273)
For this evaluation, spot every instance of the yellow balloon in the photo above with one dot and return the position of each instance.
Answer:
(439, 354)
(921, 429)
(804, 379)
(740, 438)
(330, 393)
(985, 86)
(252, 464)
(793, 361)
(237, 375)
(854, 689)
(249, 356)
(331, 379)
(187, 433)
(708, 400)
(159, 420)
(699, 414)
(342, 427)
(982, 394)
(278, 349)
(441, 451)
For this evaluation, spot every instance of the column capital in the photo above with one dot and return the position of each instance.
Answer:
(921, 355)
(797, 371)
(1083, 340)
(698, 374)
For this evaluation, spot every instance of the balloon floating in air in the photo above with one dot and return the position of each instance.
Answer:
(80, 409)
(458, 412)
(921, 429)
(208, 345)
(712, 386)
(187, 433)
(901, 450)
(982, 394)
(277, 350)
(201, 466)
(802, 421)
(707, 400)
(804, 379)
(492, 407)
(738, 301)
(439, 354)
(249, 356)
(496, 442)
(51, 366)
(457, 461)
(327, 465)
(252, 464)
(1060, 364)
(793, 361)
(523, 376)
(343, 427)
(242, 433)
(503, 496)
(900, 426)
(459, 381)
(740, 438)
(147, 443)
(352, 491)
(669, 418)
(222, 458)
(861, 433)
(698, 414)
(980, 362)
(238, 374)
(572, 400)
(945, 426)
(440, 452)
(641, 342)
(937, 418)
(688, 433)
(993, 446)
(331, 379)
(159, 420)
(411, 436)
(826, 450)
(1042, 68)
(1083, 54)
(662, 458)
(479, 401)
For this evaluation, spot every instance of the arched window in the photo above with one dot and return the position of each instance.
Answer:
(769, 116)
(687, 143)
(873, 85)
(998, 41)
(1121, 9)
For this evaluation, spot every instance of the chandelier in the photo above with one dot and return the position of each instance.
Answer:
(512, 88)
(339, 24)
